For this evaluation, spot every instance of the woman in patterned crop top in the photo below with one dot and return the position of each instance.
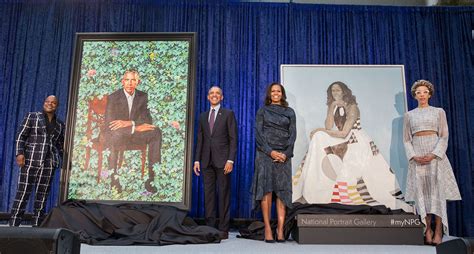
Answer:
(430, 180)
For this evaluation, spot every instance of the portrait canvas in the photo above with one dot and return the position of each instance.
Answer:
(143, 155)
(381, 99)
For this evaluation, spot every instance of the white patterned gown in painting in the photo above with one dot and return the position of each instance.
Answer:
(346, 170)
(429, 185)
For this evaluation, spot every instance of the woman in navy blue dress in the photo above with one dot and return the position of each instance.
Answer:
(275, 132)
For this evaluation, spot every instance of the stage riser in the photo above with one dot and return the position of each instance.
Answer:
(358, 229)
(408, 236)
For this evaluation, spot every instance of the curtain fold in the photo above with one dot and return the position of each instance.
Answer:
(241, 47)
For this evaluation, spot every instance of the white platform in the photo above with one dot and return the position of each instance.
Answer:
(238, 245)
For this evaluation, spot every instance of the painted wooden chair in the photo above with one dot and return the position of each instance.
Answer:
(96, 124)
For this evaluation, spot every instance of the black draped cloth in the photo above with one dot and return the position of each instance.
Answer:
(126, 224)
(256, 230)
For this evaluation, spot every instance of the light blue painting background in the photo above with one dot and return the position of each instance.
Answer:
(381, 96)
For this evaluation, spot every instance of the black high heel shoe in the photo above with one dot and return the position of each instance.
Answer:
(269, 241)
(277, 239)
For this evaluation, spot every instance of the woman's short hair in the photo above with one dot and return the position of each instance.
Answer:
(347, 93)
(419, 83)
(268, 96)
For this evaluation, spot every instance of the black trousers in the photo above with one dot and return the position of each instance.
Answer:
(214, 179)
(31, 175)
(120, 138)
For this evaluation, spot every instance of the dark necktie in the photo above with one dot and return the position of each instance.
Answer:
(211, 119)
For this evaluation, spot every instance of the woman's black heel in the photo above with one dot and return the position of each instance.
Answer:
(279, 240)
(270, 241)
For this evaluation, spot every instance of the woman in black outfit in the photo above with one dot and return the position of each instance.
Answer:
(275, 134)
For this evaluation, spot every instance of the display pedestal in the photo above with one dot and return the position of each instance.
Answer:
(358, 229)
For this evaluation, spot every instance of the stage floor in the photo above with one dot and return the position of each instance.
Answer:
(238, 245)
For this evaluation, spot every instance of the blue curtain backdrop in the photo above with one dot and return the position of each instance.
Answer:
(241, 47)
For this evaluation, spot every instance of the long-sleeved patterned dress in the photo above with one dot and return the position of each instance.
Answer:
(275, 130)
(429, 185)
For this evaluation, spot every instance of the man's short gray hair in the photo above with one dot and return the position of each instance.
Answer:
(214, 86)
(132, 71)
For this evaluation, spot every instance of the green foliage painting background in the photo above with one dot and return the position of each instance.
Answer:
(163, 69)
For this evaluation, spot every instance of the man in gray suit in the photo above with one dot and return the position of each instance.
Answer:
(215, 155)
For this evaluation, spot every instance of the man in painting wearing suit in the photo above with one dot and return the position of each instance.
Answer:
(129, 122)
(39, 146)
(215, 155)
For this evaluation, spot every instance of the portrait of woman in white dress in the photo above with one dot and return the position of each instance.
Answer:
(343, 164)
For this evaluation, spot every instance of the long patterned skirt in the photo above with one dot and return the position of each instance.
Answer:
(431, 185)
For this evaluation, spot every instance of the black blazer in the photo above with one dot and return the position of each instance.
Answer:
(117, 109)
(33, 142)
(219, 146)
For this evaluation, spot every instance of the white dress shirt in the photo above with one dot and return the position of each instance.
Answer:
(130, 103)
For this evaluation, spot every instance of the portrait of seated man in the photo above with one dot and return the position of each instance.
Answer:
(128, 122)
